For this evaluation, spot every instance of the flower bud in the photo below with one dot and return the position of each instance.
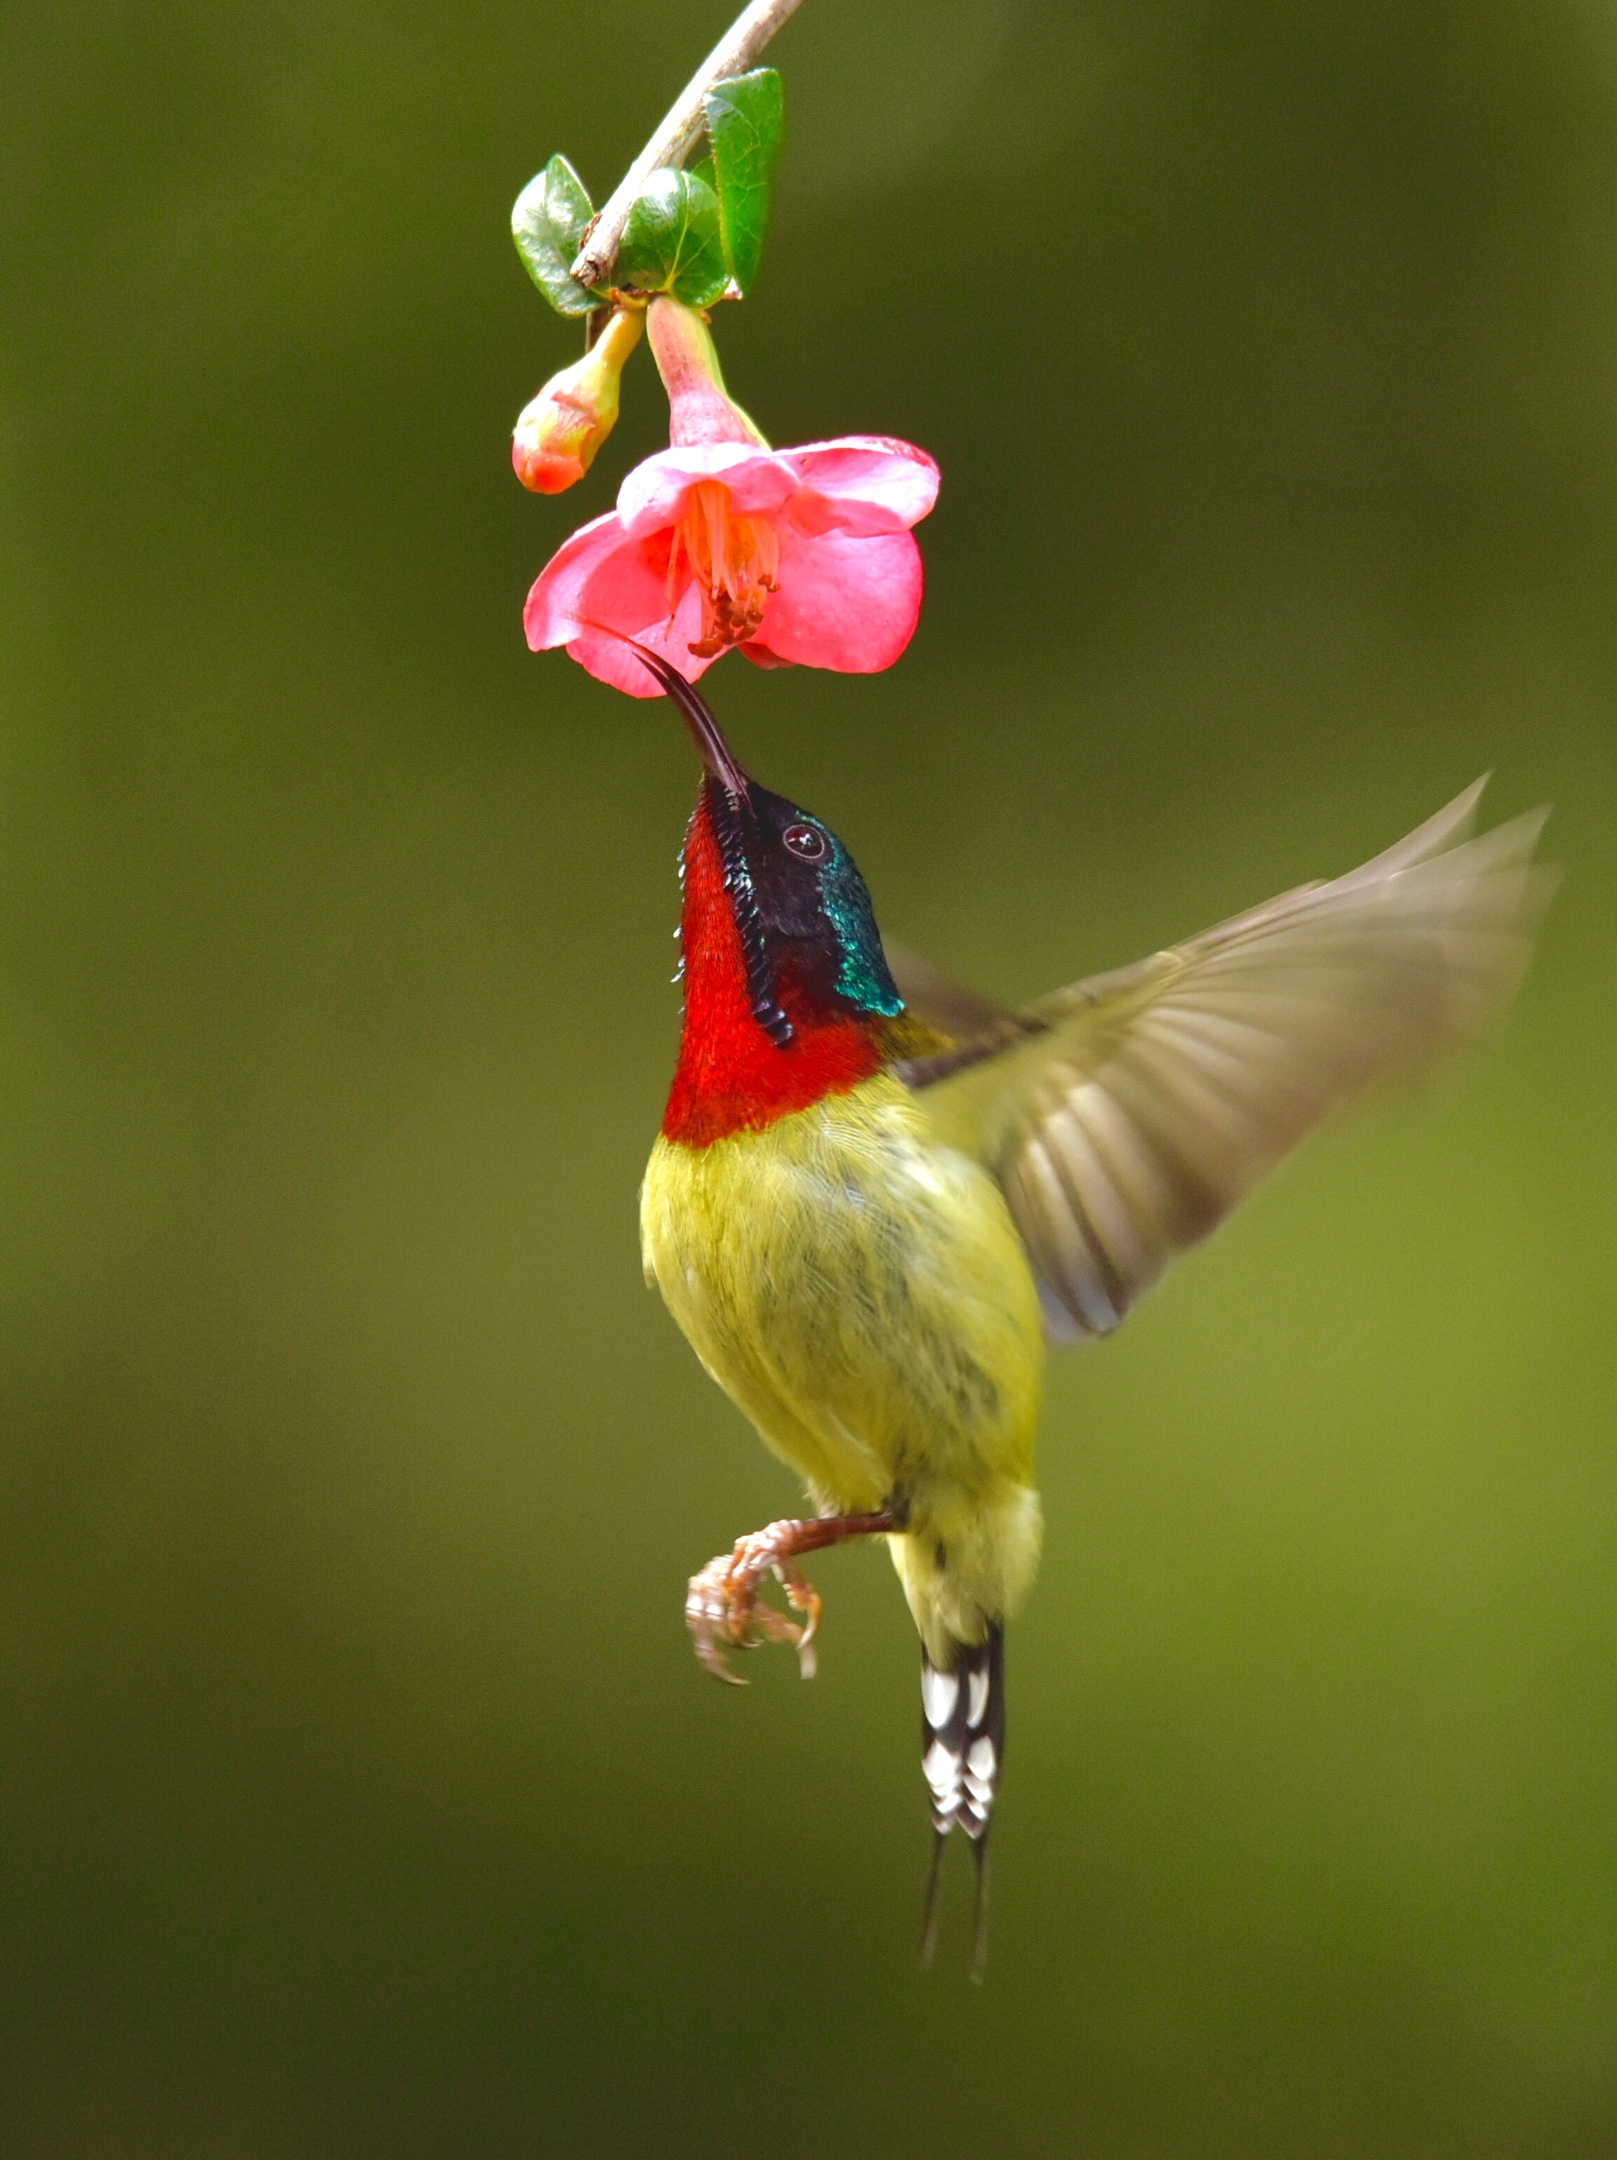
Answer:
(558, 433)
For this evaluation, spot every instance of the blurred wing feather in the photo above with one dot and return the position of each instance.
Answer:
(943, 1004)
(1125, 1116)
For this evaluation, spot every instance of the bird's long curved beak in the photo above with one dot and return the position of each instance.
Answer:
(714, 751)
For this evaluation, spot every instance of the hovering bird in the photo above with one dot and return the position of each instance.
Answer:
(874, 1197)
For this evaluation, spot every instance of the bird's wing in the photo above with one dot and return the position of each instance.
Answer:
(1125, 1116)
(941, 1003)
(958, 1027)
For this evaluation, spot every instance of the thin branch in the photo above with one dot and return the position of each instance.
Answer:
(682, 123)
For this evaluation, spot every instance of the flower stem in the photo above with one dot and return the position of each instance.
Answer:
(681, 124)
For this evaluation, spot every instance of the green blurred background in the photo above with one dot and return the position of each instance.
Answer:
(358, 1793)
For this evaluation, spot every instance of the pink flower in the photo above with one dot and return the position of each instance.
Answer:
(794, 555)
(798, 556)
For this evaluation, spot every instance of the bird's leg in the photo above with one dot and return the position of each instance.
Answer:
(723, 1602)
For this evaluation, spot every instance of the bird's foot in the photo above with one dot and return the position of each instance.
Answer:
(724, 1607)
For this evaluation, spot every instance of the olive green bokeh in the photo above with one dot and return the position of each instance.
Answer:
(359, 1794)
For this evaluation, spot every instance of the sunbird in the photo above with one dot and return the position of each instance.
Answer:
(870, 1207)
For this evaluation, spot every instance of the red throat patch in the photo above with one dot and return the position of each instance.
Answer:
(731, 1077)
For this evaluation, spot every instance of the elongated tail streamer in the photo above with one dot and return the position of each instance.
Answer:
(962, 1750)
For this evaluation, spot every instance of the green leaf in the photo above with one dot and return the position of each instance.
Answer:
(671, 243)
(744, 118)
(547, 224)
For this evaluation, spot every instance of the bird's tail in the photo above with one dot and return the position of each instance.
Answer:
(962, 1749)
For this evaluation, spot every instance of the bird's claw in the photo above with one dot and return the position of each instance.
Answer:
(723, 1608)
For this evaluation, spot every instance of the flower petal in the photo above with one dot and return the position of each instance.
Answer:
(610, 660)
(844, 602)
(862, 484)
(599, 548)
(653, 495)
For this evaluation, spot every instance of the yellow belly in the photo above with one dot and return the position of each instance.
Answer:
(859, 1290)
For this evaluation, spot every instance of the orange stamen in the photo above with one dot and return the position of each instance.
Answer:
(733, 560)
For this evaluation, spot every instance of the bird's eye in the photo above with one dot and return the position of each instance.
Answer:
(806, 842)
